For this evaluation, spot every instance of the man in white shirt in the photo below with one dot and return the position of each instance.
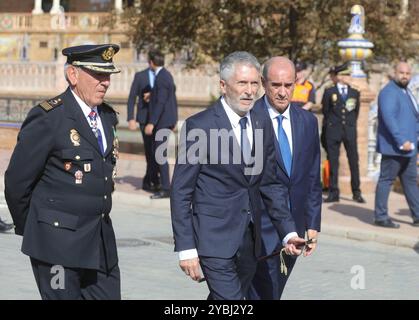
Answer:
(216, 204)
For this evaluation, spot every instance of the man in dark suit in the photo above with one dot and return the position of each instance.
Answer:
(141, 87)
(217, 191)
(59, 182)
(297, 147)
(397, 141)
(162, 115)
(340, 110)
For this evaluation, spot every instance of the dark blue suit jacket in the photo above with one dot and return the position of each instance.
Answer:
(303, 187)
(210, 202)
(140, 85)
(398, 121)
(163, 105)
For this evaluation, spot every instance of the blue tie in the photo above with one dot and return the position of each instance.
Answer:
(244, 141)
(284, 146)
(344, 94)
(96, 131)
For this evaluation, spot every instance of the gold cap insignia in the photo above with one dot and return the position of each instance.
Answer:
(108, 54)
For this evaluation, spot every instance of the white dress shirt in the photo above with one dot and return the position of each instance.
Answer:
(234, 119)
(286, 122)
(86, 110)
(286, 125)
(340, 88)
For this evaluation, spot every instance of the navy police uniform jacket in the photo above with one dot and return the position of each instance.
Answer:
(340, 115)
(63, 222)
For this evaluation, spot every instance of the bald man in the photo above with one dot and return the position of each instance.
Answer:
(397, 141)
(297, 147)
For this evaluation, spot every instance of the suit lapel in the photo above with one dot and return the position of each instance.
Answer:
(297, 129)
(74, 112)
(278, 154)
(107, 127)
(223, 122)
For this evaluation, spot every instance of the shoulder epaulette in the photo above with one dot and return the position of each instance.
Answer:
(50, 104)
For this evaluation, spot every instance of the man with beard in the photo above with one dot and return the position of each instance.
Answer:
(397, 139)
(215, 199)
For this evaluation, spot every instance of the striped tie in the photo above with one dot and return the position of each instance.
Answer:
(96, 131)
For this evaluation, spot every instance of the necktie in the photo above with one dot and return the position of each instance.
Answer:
(344, 94)
(96, 131)
(244, 141)
(284, 146)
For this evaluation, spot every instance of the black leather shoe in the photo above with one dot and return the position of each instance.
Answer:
(160, 195)
(5, 226)
(387, 224)
(150, 187)
(358, 198)
(332, 198)
(415, 222)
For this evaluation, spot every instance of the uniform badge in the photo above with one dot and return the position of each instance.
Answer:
(75, 137)
(108, 54)
(350, 104)
(67, 166)
(334, 97)
(87, 167)
(79, 177)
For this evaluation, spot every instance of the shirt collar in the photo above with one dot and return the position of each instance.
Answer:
(232, 116)
(157, 70)
(273, 113)
(84, 107)
(340, 86)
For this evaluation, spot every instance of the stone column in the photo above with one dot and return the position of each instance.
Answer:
(118, 6)
(367, 184)
(38, 7)
(55, 9)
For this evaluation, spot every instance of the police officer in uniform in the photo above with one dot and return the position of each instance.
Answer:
(59, 182)
(340, 106)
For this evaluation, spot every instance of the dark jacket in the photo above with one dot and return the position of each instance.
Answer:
(163, 105)
(140, 85)
(211, 203)
(62, 221)
(340, 116)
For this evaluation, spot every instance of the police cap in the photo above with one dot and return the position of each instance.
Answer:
(343, 69)
(97, 58)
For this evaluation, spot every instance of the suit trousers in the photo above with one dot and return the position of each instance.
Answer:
(333, 150)
(229, 279)
(152, 170)
(391, 167)
(269, 282)
(162, 162)
(62, 283)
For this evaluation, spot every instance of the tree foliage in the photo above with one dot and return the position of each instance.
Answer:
(207, 30)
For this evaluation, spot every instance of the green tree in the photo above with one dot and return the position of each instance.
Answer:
(207, 30)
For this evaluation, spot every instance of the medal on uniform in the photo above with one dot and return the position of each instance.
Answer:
(79, 176)
(87, 167)
(75, 137)
(350, 104)
(115, 151)
(334, 97)
(67, 166)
